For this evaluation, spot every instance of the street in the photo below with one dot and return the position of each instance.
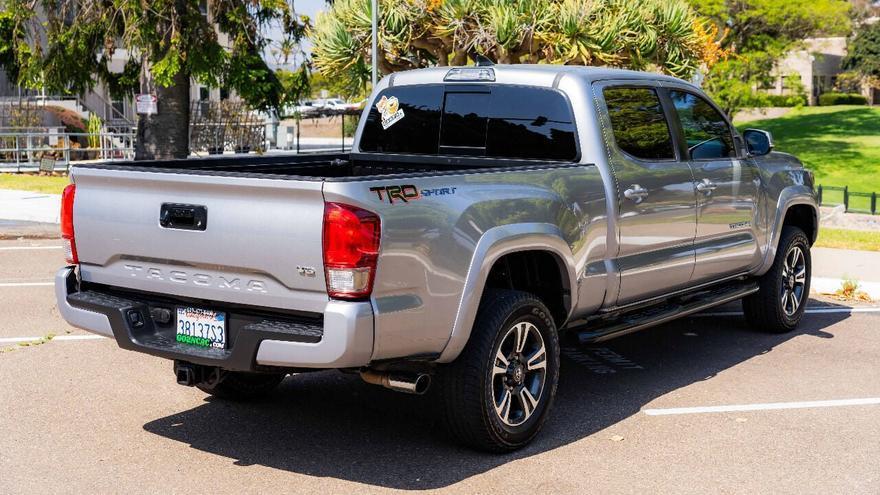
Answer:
(800, 414)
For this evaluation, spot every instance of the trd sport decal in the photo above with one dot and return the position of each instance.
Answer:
(409, 192)
(403, 193)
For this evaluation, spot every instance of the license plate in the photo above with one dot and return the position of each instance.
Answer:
(201, 327)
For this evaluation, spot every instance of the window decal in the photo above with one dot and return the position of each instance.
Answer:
(390, 110)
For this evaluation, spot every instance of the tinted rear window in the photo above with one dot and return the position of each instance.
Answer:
(493, 121)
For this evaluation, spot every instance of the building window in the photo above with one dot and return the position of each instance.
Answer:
(204, 93)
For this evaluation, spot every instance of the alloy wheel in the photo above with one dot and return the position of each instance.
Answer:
(519, 373)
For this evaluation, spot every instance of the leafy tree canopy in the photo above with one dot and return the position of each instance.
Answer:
(863, 52)
(659, 35)
(758, 33)
(65, 46)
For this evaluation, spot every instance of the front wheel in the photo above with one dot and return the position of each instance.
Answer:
(779, 304)
(497, 394)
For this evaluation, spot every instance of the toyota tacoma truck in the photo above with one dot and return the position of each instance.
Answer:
(483, 214)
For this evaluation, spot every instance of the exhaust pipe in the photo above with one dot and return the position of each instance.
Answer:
(407, 383)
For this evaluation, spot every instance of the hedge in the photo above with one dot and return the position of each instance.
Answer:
(785, 100)
(828, 99)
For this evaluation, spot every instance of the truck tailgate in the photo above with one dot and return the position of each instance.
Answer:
(261, 242)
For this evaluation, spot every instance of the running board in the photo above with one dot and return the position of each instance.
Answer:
(607, 328)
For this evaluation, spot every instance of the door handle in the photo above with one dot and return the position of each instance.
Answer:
(706, 186)
(636, 193)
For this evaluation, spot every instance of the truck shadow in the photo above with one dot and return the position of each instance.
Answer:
(332, 425)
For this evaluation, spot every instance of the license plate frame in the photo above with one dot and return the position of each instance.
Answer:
(205, 328)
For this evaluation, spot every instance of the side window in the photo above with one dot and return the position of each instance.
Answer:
(638, 123)
(705, 130)
(416, 132)
(530, 123)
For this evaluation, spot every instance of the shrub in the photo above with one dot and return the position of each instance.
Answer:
(786, 100)
(829, 99)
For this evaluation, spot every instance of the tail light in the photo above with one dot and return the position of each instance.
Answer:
(351, 247)
(67, 224)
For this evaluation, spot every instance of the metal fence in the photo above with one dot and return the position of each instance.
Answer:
(24, 149)
(852, 201)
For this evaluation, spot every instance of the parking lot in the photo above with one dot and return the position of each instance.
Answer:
(703, 405)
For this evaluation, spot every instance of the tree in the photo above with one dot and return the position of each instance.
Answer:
(65, 46)
(863, 54)
(758, 33)
(656, 35)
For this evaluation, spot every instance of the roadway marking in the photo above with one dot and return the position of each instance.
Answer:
(63, 338)
(26, 284)
(770, 406)
(809, 311)
(27, 248)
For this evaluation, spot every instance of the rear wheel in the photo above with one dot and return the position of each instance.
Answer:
(239, 385)
(779, 304)
(497, 394)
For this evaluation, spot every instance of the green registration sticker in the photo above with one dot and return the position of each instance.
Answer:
(192, 340)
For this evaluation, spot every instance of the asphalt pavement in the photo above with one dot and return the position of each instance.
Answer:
(702, 405)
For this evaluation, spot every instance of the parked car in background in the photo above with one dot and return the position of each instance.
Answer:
(329, 106)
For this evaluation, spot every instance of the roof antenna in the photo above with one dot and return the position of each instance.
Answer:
(482, 61)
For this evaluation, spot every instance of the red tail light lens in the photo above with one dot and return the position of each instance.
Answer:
(351, 247)
(67, 224)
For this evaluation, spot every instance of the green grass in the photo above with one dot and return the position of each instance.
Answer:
(32, 182)
(849, 239)
(840, 144)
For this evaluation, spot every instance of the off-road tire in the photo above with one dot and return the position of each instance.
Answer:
(243, 386)
(765, 310)
(466, 385)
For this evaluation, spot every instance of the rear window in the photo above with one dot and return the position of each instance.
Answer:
(472, 120)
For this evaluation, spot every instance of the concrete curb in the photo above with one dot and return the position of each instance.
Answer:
(28, 230)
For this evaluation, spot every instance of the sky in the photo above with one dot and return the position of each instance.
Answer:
(304, 7)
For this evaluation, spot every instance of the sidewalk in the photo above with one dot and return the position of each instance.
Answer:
(832, 266)
(28, 206)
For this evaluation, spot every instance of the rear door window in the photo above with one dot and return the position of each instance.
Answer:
(638, 123)
(501, 121)
(706, 132)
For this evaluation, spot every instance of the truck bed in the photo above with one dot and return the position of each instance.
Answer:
(318, 166)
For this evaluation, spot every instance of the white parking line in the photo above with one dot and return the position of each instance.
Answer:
(62, 338)
(809, 311)
(870, 401)
(26, 284)
(27, 248)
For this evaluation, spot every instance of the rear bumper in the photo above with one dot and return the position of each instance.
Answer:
(341, 338)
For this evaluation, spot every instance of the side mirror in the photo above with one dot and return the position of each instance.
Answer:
(758, 142)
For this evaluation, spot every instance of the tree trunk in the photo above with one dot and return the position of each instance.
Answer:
(165, 134)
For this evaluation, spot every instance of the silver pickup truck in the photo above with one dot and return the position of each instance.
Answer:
(483, 214)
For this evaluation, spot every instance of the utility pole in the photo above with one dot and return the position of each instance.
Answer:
(375, 16)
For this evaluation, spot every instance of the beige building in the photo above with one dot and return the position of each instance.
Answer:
(818, 62)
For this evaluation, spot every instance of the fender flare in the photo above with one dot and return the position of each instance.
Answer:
(790, 196)
(495, 243)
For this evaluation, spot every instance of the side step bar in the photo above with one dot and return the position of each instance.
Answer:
(605, 328)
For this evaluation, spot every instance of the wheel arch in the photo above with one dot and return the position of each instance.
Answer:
(499, 244)
(796, 206)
